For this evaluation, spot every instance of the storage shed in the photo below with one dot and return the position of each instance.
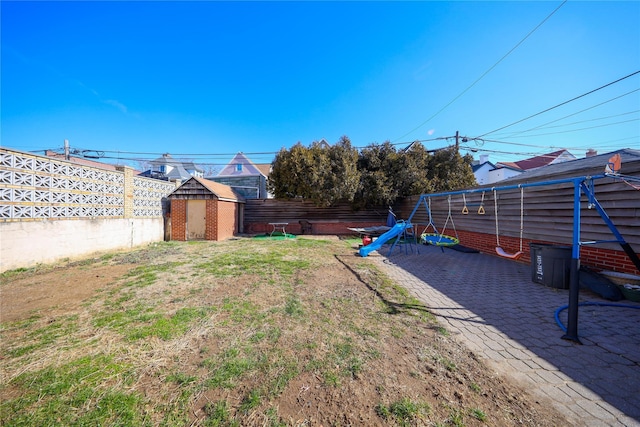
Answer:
(205, 210)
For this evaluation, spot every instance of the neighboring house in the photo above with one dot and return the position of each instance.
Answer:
(481, 169)
(591, 164)
(488, 173)
(559, 156)
(502, 172)
(169, 169)
(245, 177)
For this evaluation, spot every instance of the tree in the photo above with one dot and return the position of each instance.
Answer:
(377, 165)
(340, 176)
(450, 171)
(288, 177)
(388, 175)
(322, 173)
(414, 171)
(378, 175)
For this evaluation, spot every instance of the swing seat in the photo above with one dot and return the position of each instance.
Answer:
(504, 254)
(439, 239)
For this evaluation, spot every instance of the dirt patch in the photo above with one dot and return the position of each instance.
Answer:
(59, 290)
(329, 342)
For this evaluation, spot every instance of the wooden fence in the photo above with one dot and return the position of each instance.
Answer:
(258, 213)
(547, 213)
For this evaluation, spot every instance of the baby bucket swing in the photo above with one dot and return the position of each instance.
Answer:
(440, 239)
(499, 249)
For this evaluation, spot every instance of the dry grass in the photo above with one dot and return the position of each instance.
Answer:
(268, 333)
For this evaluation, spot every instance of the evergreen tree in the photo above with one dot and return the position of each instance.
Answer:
(377, 176)
(322, 173)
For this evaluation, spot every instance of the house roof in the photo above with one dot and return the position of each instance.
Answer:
(584, 166)
(223, 192)
(477, 167)
(167, 159)
(265, 168)
(508, 165)
(178, 172)
(178, 167)
(535, 162)
(248, 167)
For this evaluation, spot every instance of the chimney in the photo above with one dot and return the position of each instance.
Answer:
(484, 158)
(591, 152)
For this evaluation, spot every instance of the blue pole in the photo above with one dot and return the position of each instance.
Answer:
(574, 278)
(502, 188)
(514, 186)
(614, 230)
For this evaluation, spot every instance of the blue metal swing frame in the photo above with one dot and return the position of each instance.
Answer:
(583, 184)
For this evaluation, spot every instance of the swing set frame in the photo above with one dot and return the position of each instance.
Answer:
(581, 185)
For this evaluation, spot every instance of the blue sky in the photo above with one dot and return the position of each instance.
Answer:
(203, 80)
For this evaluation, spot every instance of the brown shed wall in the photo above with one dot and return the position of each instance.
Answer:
(226, 219)
(179, 219)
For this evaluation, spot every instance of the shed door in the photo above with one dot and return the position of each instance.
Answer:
(196, 219)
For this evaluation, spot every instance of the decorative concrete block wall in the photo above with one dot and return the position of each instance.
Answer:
(52, 209)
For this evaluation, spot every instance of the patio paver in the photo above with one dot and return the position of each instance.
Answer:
(492, 305)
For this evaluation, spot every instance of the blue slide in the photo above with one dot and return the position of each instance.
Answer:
(377, 244)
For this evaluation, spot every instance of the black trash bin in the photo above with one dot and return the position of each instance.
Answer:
(550, 264)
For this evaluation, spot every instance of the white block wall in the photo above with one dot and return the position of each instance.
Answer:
(27, 243)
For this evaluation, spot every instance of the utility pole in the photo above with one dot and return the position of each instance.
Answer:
(457, 142)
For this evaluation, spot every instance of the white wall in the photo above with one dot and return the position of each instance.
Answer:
(482, 174)
(500, 174)
(27, 243)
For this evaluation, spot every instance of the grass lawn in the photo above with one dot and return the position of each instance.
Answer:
(263, 332)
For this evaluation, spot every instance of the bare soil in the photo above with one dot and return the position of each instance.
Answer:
(411, 358)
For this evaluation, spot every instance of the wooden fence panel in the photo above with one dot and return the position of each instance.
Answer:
(548, 210)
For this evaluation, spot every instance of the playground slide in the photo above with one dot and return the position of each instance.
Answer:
(377, 244)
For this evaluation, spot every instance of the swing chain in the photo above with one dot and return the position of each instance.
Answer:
(495, 201)
(449, 218)
(521, 214)
(481, 208)
(495, 204)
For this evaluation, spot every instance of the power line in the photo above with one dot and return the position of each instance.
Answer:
(133, 156)
(562, 103)
(589, 120)
(604, 145)
(552, 147)
(578, 130)
(485, 73)
(573, 114)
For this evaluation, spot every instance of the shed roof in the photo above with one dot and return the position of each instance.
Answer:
(220, 191)
(224, 192)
